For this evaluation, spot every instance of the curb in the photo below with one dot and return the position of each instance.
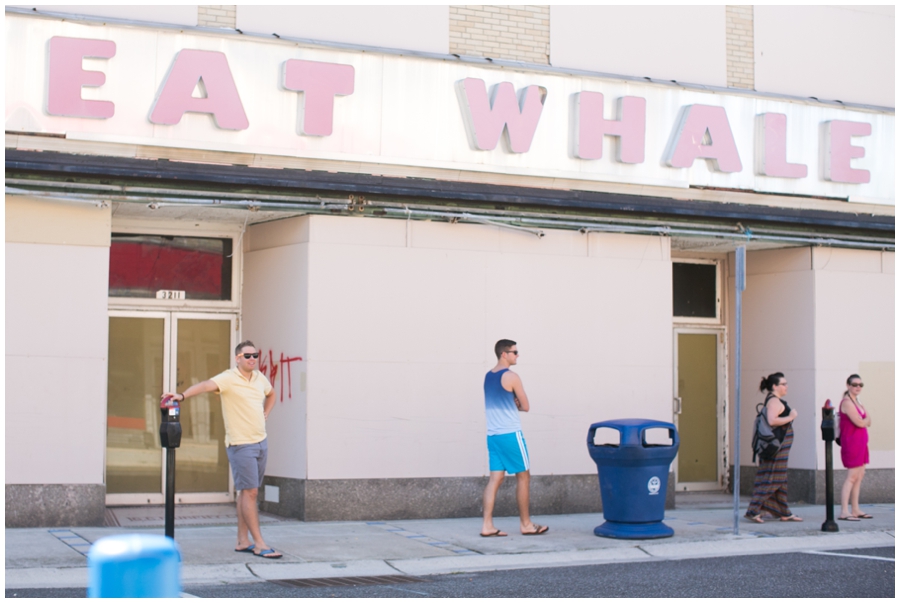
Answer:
(76, 577)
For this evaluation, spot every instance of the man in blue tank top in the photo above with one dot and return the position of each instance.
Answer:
(504, 398)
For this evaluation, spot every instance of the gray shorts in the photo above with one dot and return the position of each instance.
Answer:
(248, 464)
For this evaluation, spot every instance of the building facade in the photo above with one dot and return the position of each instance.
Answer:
(376, 195)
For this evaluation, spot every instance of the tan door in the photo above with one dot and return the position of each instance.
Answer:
(152, 352)
(697, 412)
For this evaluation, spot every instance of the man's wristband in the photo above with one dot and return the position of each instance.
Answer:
(182, 396)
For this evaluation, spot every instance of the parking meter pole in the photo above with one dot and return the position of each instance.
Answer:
(170, 493)
(170, 439)
(828, 436)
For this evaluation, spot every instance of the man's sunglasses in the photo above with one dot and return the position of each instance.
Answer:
(249, 356)
(516, 352)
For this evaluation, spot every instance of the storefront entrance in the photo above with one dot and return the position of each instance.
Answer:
(151, 352)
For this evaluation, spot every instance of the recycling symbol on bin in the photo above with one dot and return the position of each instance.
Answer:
(653, 485)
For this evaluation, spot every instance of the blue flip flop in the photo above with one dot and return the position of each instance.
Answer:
(267, 554)
(249, 549)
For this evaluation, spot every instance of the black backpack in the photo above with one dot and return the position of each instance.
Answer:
(765, 443)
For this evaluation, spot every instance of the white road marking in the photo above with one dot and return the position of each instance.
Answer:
(849, 555)
(406, 590)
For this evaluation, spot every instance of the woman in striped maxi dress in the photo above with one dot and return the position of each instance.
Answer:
(770, 487)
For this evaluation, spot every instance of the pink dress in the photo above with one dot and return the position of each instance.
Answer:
(854, 441)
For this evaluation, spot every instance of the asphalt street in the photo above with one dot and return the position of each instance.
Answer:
(841, 573)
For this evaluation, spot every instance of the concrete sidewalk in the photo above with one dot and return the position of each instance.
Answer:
(48, 558)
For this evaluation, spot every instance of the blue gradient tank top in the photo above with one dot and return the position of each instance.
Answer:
(499, 406)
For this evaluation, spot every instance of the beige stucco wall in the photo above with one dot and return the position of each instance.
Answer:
(818, 315)
(661, 42)
(425, 28)
(274, 316)
(57, 275)
(855, 334)
(184, 14)
(778, 335)
(830, 52)
(402, 322)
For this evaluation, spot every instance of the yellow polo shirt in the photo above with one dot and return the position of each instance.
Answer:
(242, 406)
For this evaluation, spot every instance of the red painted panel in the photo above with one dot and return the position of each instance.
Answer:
(142, 269)
(127, 423)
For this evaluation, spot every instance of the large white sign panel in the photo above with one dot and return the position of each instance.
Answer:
(132, 85)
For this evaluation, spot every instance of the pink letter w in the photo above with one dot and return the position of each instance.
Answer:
(486, 120)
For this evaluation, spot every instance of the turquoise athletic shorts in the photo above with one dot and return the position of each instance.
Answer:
(508, 452)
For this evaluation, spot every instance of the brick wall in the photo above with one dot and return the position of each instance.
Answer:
(517, 33)
(217, 16)
(739, 47)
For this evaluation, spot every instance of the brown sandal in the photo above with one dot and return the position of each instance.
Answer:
(538, 530)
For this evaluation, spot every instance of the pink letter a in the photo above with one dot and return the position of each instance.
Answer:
(222, 99)
(485, 121)
(689, 145)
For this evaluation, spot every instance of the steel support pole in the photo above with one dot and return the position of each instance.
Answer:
(740, 283)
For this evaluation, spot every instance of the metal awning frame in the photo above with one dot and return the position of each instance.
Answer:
(531, 222)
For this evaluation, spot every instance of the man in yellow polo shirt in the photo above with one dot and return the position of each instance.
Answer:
(247, 399)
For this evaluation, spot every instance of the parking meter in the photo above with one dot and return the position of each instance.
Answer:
(170, 425)
(170, 439)
(828, 421)
(828, 437)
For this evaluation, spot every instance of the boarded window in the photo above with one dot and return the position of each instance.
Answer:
(141, 265)
(694, 291)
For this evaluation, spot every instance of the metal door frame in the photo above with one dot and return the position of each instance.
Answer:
(170, 354)
(721, 405)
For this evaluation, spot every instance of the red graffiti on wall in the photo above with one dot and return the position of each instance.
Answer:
(270, 368)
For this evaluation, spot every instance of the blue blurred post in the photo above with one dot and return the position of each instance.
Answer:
(134, 565)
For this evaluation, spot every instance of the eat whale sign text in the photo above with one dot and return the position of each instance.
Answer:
(702, 131)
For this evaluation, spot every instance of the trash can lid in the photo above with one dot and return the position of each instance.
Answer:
(631, 431)
(634, 423)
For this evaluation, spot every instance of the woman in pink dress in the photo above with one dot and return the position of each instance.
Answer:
(854, 448)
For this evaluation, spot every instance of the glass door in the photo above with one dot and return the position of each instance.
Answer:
(153, 352)
(138, 369)
(202, 350)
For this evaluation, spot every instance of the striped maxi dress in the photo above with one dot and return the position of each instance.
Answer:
(770, 487)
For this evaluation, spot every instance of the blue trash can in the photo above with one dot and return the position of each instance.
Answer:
(633, 477)
(134, 565)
